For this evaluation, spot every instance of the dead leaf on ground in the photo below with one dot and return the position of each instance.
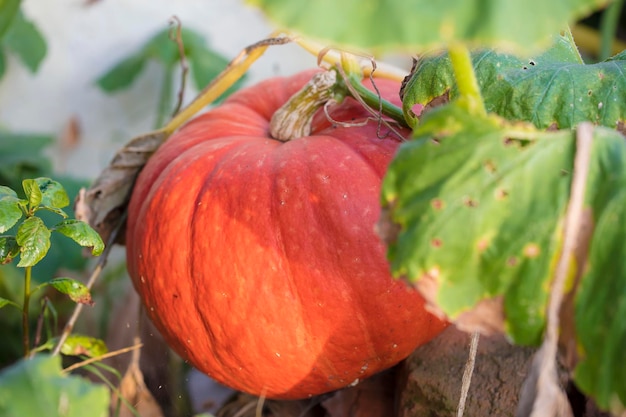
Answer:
(134, 391)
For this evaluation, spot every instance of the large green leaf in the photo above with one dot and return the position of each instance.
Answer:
(418, 24)
(480, 214)
(467, 207)
(552, 89)
(601, 301)
(36, 387)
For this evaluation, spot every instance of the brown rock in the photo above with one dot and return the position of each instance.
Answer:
(430, 381)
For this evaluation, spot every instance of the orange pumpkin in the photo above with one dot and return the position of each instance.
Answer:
(258, 260)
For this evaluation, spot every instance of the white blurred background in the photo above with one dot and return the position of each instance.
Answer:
(85, 39)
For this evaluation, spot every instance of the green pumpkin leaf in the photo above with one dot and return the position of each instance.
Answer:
(36, 387)
(25, 40)
(478, 214)
(466, 207)
(81, 233)
(123, 74)
(601, 298)
(552, 89)
(417, 25)
(8, 10)
(33, 237)
(10, 210)
(9, 249)
(76, 290)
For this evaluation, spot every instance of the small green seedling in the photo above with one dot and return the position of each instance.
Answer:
(25, 236)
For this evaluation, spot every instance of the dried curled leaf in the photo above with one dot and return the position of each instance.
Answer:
(102, 205)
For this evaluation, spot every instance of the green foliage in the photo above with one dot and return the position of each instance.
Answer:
(8, 10)
(205, 64)
(553, 89)
(416, 25)
(37, 387)
(20, 36)
(33, 239)
(76, 290)
(455, 199)
(33, 236)
(77, 345)
(479, 205)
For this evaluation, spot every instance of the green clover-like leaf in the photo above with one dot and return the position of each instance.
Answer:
(9, 249)
(33, 193)
(10, 208)
(76, 290)
(81, 233)
(78, 345)
(53, 193)
(33, 237)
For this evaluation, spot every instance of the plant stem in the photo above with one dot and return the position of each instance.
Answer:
(608, 27)
(25, 311)
(376, 102)
(469, 91)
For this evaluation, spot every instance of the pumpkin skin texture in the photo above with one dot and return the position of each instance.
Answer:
(258, 260)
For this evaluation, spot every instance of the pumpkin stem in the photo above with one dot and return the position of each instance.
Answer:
(294, 118)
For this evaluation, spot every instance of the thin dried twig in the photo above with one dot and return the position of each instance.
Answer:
(467, 373)
(541, 394)
(178, 38)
